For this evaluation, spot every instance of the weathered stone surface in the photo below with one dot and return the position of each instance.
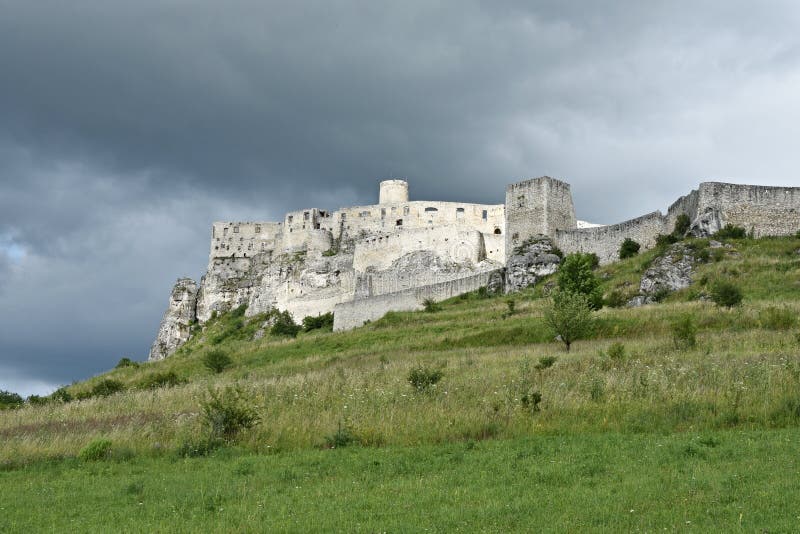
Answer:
(176, 324)
(669, 272)
(530, 262)
(707, 223)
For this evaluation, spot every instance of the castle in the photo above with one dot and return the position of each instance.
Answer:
(361, 262)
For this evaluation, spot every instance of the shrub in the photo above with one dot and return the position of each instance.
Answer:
(718, 254)
(61, 395)
(569, 316)
(483, 292)
(238, 311)
(682, 224)
(531, 400)
(126, 362)
(616, 351)
(615, 299)
(423, 378)
(684, 332)
(558, 252)
(106, 387)
(343, 437)
(665, 240)
(545, 362)
(160, 380)
(197, 448)
(575, 275)
(511, 304)
(217, 360)
(430, 306)
(98, 449)
(797, 235)
(777, 318)
(228, 412)
(629, 248)
(320, 322)
(9, 400)
(37, 400)
(726, 294)
(285, 325)
(730, 231)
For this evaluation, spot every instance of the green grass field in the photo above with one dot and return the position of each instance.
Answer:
(701, 438)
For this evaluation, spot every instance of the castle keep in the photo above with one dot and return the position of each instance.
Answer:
(361, 262)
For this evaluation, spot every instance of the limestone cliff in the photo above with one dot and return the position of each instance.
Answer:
(176, 324)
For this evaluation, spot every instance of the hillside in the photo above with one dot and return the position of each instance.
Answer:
(703, 435)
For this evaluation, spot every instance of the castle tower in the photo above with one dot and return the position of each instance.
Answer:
(537, 207)
(393, 192)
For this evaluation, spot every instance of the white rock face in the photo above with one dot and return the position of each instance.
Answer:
(670, 272)
(176, 323)
(528, 265)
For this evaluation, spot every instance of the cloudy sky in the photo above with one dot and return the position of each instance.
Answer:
(126, 128)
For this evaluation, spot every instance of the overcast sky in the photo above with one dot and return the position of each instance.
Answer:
(126, 128)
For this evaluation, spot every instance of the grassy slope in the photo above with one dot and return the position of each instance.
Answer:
(743, 378)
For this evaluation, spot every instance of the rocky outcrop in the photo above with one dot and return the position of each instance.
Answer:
(669, 272)
(707, 223)
(175, 328)
(530, 262)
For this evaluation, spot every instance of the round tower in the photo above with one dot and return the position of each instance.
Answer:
(393, 192)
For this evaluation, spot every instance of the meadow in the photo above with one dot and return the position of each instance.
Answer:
(517, 432)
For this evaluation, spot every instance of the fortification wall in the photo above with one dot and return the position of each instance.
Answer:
(539, 206)
(762, 210)
(243, 239)
(449, 242)
(606, 240)
(355, 313)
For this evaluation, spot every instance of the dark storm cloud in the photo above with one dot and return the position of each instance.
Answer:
(127, 127)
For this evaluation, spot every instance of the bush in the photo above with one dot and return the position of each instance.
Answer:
(166, 379)
(430, 306)
(126, 362)
(684, 332)
(629, 248)
(423, 378)
(726, 294)
(511, 305)
(575, 275)
(9, 400)
(217, 360)
(61, 395)
(616, 351)
(106, 387)
(545, 362)
(615, 299)
(731, 232)
(531, 400)
(665, 240)
(777, 318)
(197, 448)
(343, 437)
(285, 325)
(797, 235)
(682, 224)
(320, 322)
(569, 316)
(228, 412)
(98, 449)
(37, 400)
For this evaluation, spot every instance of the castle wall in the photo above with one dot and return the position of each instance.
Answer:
(537, 207)
(761, 210)
(605, 241)
(243, 239)
(355, 313)
(449, 242)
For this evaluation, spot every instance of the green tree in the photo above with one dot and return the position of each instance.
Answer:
(576, 276)
(569, 316)
(682, 224)
(217, 360)
(629, 248)
(9, 399)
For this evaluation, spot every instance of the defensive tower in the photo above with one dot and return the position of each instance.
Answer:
(393, 192)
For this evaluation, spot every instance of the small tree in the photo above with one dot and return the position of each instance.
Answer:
(285, 325)
(629, 248)
(216, 360)
(726, 294)
(9, 400)
(569, 316)
(730, 231)
(228, 412)
(682, 225)
(576, 276)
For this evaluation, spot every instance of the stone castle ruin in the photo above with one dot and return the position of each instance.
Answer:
(361, 262)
